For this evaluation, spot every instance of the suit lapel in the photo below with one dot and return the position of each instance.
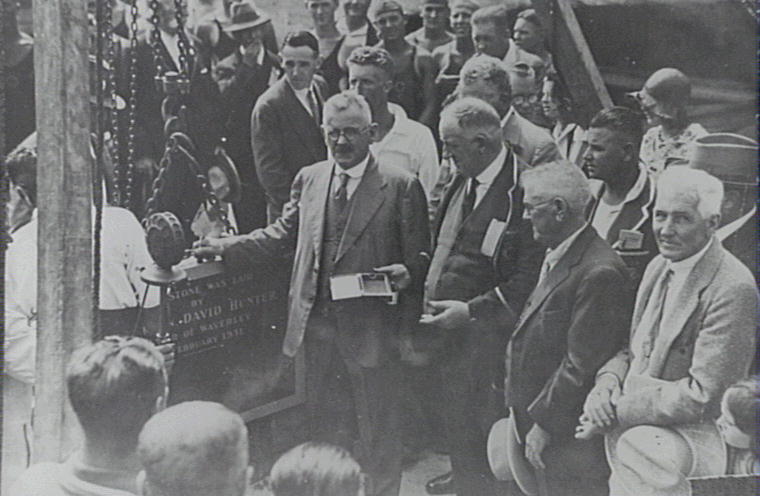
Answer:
(300, 119)
(685, 303)
(365, 201)
(318, 207)
(556, 275)
(448, 194)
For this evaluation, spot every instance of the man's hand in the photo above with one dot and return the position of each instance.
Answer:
(535, 443)
(447, 314)
(208, 248)
(398, 274)
(586, 429)
(601, 401)
(168, 350)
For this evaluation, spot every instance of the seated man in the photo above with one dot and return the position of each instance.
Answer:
(115, 386)
(693, 335)
(621, 207)
(196, 448)
(575, 319)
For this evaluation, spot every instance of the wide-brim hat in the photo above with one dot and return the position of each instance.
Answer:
(244, 15)
(506, 457)
(668, 88)
(726, 156)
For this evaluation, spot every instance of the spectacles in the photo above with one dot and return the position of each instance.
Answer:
(350, 133)
(529, 209)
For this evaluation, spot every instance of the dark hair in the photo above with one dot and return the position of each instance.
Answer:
(743, 402)
(375, 56)
(297, 39)
(532, 17)
(622, 120)
(316, 469)
(113, 385)
(561, 95)
(21, 165)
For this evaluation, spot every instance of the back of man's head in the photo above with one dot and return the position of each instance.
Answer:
(487, 78)
(316, 469)
(115, 385)
(624, 121)
(374, 56)
(196, 448)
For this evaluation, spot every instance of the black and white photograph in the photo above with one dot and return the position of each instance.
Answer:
(379, 247)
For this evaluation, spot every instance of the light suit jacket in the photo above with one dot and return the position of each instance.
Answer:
(710, 343)
(532, 144)
(387, 224)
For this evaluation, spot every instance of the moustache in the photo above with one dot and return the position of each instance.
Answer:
(343, 149)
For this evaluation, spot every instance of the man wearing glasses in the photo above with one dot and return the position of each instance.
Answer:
(349, 215)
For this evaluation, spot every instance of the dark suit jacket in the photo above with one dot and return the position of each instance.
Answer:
(387, 224)
(635, 215)
(495, 287)
(284, 138)
(573, 322)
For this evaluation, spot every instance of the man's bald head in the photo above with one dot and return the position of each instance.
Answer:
(196, 448)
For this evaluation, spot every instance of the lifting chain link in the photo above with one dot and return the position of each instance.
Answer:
(131, 105)
(113, 113)
(185, 50)
(155, 41)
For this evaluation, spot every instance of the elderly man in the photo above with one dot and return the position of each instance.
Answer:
(414, 78)
(400, 140)
(621, 209)
(575, 319)
(285, 134)
(114, 387)
(487, 78)
(196, 448)
(348, 216)
(484, 266)
(693, 335)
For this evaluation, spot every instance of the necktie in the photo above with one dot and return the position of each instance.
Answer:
(652, 318)
(469, 200)
(341, 194)
(314, 108)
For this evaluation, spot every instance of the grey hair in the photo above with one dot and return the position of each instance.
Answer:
(489, 69)
(345, 100)
(471, 113)
(704, 190)
(560, 179)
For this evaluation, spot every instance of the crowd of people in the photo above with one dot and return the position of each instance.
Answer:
(574, 306)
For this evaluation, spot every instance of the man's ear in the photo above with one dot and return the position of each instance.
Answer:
(562, 208)
(143, 488)
(161, 401)
(713, 222)
(373, 132)
(629, 152)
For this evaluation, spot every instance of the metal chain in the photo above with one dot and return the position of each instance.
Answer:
(159, 183)
(131, 105)
(111, 89)
(155, 38)
(102, 29)
(182, 42)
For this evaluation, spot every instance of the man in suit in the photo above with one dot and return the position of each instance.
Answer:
(692, 335)
(204, 121)
(487, 78)
(621, 206)
(243, 76)
(575, 319)
(352, 214)
(484, 266)
(285, 134)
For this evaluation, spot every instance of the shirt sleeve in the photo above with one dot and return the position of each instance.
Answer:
(20, 341)
(138, 258)
(428, 167)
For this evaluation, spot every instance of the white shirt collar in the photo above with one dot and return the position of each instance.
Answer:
(553, 256)
(487, 176)
(685, 265)
(507, 116)
(355, 172)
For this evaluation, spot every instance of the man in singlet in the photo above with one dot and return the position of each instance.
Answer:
(414, 79)
(434, 31)
(450, 58)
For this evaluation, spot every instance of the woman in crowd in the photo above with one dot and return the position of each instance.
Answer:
(664, 99)
(558, 109)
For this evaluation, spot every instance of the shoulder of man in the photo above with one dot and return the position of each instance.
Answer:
(41, 479)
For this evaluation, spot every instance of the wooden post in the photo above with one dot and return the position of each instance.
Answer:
(64, 186)
(573, 58)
